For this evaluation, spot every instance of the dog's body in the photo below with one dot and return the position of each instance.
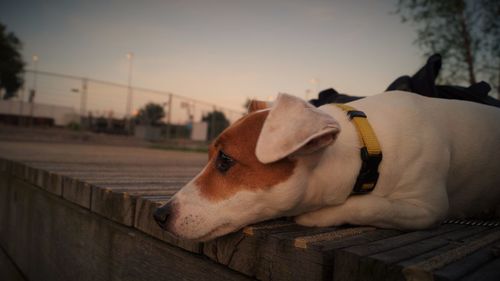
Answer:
(440, 158)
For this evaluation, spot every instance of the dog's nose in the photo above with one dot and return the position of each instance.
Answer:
(161, 214)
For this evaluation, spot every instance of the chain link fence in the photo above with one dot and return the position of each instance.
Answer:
(111, 107)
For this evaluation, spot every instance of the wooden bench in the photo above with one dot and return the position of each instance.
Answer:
(81, 212)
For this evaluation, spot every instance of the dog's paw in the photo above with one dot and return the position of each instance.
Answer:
(320, 218)
(306, 220)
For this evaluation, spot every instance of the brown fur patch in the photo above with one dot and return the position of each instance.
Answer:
(239, 141)
(257, 105)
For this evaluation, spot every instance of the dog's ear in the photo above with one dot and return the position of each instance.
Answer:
(255, 105)
(293, 126)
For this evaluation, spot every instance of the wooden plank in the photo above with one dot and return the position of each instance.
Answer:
(421, 247)
(14, 231)
(488, 272)
(455, 239)
(322, 252)
(260, 228)
(145, 206)
(364, 238)
(268, 252)
(318, 258)
(52, 239)
(467, 265)
(339, 234)
(5, 183)
(8, 270)
(122, 185)
(80, 191)
(75, 153)
(118, 203)
(348, 262)
(424, 269)
(117, 172)
(79, 188)
(129, 181)
(135, 183)
(31, 175)
(76, 191)
(51, 182)
(17, 169)
(293, 263)
(383, 265)
(3, 164)
(113, 167)
(250, 251)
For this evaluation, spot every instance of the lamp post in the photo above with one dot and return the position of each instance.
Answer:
(128, 110)
(31, 99)
(35, 67)
(169, 115)
(21, 104)
(83, 100)
(130, 58)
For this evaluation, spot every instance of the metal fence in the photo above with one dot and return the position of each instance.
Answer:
(94, 99)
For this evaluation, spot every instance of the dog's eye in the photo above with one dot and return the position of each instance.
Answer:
(224, 162)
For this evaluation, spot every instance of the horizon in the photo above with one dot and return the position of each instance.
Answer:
(222, 52)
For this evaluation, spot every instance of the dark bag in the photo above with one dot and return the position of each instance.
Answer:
(422, 83)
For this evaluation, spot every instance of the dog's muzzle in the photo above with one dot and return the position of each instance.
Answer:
(162, 214)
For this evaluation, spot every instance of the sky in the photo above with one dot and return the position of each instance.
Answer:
(221, 51)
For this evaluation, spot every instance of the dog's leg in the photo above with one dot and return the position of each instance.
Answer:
(380, 212)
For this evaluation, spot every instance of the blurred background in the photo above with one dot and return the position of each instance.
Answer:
(179, 72)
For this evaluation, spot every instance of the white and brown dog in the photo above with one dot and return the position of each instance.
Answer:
(440, 158)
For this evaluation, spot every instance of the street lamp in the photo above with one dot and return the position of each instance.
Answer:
(35, 72)
(83, 99)
(31, 99)
(130, 58)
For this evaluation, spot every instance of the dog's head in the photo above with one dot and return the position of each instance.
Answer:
(257, 170)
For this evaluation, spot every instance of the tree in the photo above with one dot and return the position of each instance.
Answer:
(460, 31)
(217, 122)
(151, 114)
(490, 28)
(11, 63)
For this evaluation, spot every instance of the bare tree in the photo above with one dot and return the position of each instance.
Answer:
(490, 28)
(465, 32)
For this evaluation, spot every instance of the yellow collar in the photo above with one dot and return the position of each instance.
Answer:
(371, 154)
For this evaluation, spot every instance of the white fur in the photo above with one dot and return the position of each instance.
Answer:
(277, 141)
(198, 218)
(440, 158)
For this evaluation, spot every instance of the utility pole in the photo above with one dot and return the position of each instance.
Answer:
(83, 102)
(21, 100)
(34, 89)
(128, 109)
(169, 115)
(212, 126)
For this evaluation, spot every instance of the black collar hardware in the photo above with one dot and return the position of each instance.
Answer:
(371, 153)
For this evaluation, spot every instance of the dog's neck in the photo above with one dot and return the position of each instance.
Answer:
(334, 174)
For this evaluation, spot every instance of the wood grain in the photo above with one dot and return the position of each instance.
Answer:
(85, 212)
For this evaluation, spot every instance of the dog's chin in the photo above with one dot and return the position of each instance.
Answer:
(215, 233)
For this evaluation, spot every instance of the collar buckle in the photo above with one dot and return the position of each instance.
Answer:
(368, 174)
(371, 153)
(355, 113)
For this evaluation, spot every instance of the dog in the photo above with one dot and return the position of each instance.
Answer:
(441, 158)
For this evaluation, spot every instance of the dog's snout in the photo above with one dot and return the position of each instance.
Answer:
(161, 214)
